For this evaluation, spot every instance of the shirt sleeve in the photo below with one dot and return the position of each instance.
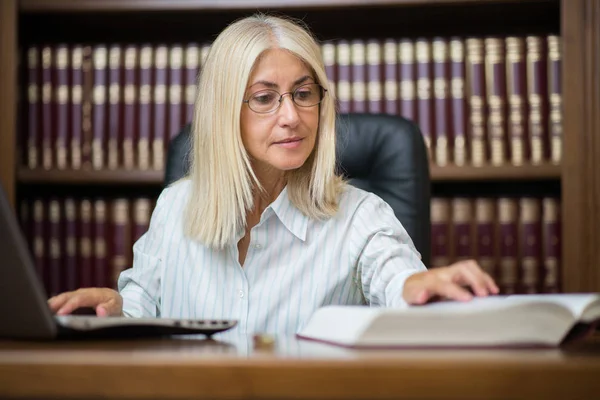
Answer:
(140, 285)
(388, 255)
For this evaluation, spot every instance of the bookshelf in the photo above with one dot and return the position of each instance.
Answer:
(577, 21)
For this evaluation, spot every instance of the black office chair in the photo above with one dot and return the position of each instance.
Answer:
(383, 154)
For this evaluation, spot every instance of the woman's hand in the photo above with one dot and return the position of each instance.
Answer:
(106, 302)
(449, 282)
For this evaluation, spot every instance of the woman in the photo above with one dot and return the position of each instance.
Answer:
(262, 230)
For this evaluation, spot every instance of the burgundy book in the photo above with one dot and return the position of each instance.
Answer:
(192, 65)
(48, 115)
(462, 233)
(115, 98)
(99, 107)
(141, 217)
(408, 80)
(508, 232)
(86, 274)
(552, 245)
(440, 232)
(55, 250)
(425, 92)
(76, 104)
(71, 235)
(130, 111)
(517, 100)
(391, 77)
(555, 97)
(442, 100)
(87, 101)
(61, 99)
(329, 61)
(102, 273)
(344, 77)
(538, 97)
(159, 107)
(39, 241)
(477, 101)
(459, 143)
(530, 243)
(121, 239)
(26, 222)
(34, 112)
(145, 106)
(374, 77)
(485, 236)
(175, 79)
(358, 80)
(495, 71)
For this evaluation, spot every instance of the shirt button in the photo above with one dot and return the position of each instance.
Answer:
(241, 293)
(257, 246)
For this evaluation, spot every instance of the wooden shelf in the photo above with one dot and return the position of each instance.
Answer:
(491, 173)
(438, 174)
(172, 5)
(90, 177)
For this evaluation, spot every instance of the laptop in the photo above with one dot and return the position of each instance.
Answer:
(25, 314)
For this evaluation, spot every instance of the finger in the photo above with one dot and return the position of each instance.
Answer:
(78, 300)
(487, 279)
(109, 308)
(468, 273)
(56, 302)
(451, 290)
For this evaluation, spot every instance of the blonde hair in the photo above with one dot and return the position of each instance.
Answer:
(221, 175)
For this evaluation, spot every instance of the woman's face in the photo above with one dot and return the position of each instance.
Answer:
(281, 139)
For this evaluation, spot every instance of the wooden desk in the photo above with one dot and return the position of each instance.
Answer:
(292, 369)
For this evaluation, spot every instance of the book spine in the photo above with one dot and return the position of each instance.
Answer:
(495, 66)
(552, 238)
(517, 99)
(144, 106)
(87, 102)
(485, 236)
(99, 114)
(508, 251)
(343, 82)
(459, 111)
(391, 85)
(47, 108)
(76, 104)
(115, 61)
(359, 76)
(70, 238)
(86, 276)
(537, 95)
(34, 112)
(192, 63)
(175, 93)
(442, 110)
(39, 240)
(101, 271)
(476, 85)
(374, 77)
(141, 219)
(62, 105)
(425, 92)
(555, 96)
(406, 54)
(55, 267)
(159, 102)
(462, 237)
(531, 244)
(121, 241)
(130, 110)
(329, 61)
(440, 232)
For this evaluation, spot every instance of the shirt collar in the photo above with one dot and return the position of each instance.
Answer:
(289, 215)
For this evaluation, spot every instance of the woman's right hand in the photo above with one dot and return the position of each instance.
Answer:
(106, 302)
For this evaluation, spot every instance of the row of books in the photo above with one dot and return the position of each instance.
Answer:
(83, 242)
(516, 240)
(477, 100)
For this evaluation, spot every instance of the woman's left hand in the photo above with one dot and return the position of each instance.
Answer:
(449, 282)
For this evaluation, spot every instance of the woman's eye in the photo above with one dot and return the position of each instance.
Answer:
(264, 98)
(303, 94)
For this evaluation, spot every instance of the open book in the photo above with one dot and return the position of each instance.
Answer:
(505, 321)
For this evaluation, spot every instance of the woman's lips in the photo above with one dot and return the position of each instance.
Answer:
(289, 143)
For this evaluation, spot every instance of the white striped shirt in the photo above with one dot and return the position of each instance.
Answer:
(294, 265)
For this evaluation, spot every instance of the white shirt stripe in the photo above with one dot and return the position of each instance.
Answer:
(294, 265)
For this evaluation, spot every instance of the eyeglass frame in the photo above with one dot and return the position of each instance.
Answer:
(280, 101)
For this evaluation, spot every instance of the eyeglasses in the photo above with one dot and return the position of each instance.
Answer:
(269, 100)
